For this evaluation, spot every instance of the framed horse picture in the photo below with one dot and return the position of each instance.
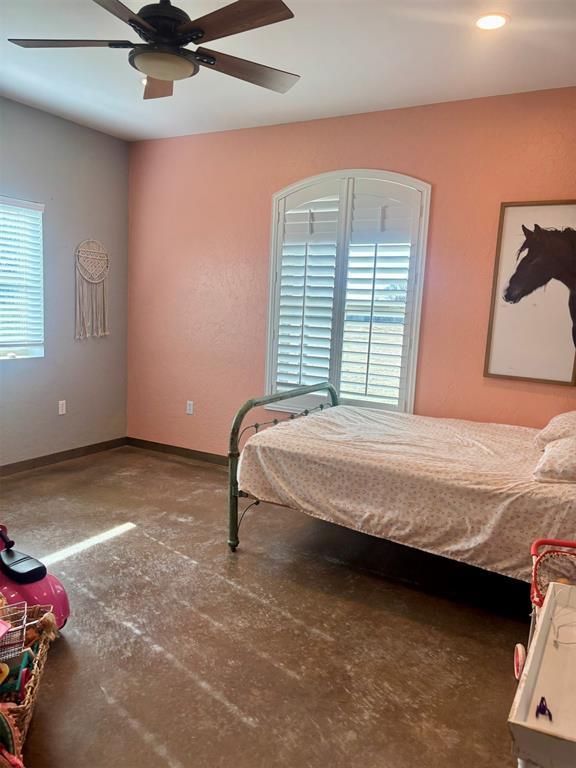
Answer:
(532, 331)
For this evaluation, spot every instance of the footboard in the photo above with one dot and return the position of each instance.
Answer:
(236, 434)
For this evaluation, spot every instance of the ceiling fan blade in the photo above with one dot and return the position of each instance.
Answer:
(73, 43)
(123, 13)
(267, 77)
(158, 89)
(238, 17)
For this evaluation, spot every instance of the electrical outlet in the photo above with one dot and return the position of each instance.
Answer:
(190, 407)
(61, 407)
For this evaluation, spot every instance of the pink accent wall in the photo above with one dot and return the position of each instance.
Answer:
(200, 211)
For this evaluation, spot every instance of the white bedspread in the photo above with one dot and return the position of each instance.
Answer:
(461, 489)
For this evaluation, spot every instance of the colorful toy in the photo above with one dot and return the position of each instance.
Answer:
(44, 626)
(23, 578)
(5, 627)
(20, 670)
(10, 740)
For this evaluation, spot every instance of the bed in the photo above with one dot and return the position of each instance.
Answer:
(459, 489)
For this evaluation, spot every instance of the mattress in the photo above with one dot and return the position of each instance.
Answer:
(460, 489)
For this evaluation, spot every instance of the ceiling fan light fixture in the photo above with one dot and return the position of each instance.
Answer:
(164, 64)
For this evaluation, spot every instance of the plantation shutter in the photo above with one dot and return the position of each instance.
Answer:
(21, 279)
(305, 290)
(347, 285)
(380, 295)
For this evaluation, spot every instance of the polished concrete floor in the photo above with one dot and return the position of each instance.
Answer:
(311, 647)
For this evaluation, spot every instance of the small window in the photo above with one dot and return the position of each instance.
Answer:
(21, 279)
(346, 285)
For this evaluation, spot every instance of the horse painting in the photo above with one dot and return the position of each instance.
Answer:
(549, 254)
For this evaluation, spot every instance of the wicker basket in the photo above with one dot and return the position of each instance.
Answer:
(22, 713)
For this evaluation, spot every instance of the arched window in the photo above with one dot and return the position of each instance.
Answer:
(346, 285)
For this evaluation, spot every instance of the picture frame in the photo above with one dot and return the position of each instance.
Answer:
(532, 327)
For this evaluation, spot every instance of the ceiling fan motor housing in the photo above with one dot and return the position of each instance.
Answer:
(166, 19)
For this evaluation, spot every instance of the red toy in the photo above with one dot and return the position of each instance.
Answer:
(23, 578)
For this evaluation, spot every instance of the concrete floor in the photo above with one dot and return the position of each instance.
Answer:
(312, 646)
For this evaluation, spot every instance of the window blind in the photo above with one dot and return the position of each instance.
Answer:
(21, 279)
(379, 293)
(348, 275)
(306, 290)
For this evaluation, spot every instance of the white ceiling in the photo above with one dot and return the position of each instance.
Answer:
(353, 55)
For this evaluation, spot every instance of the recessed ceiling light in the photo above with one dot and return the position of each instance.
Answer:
(492, 21)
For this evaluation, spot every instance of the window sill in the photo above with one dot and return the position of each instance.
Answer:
(298, 404)
(21, 353)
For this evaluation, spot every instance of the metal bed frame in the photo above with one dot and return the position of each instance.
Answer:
(237, 432)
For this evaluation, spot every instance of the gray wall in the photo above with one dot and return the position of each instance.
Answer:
(82, 177)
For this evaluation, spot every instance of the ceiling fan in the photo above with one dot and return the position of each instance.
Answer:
(167, 30)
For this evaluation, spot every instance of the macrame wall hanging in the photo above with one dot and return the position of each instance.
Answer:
(92, 267)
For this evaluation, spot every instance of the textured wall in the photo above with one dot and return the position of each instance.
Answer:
(199, 252)
(82, 177)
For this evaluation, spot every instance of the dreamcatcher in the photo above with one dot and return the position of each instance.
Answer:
(92, 267)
